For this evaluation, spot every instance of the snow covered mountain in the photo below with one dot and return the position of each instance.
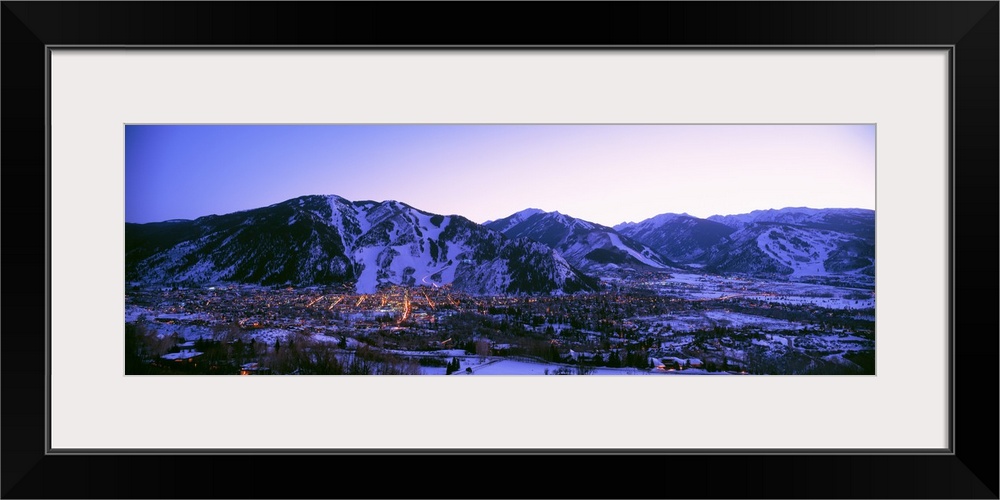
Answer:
(856, 221)
(329, 240)
(506, 223)
(679, 237)
(586, 245)
(797, 242)
(788, 241)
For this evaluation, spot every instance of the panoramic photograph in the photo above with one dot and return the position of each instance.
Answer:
(476, 249)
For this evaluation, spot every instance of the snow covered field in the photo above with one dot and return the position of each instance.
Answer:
(500, 366)
(709, 287)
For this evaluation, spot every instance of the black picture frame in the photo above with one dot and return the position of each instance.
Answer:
(969, 28)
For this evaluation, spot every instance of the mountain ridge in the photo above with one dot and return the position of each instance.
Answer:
(586, 245)
(791, 241)
(327, 239)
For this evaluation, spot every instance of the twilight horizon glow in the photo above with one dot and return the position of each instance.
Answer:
(606, 174)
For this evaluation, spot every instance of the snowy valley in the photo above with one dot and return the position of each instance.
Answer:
(324, 285)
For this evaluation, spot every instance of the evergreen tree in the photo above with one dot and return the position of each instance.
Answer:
(553, 353)
(614, 360)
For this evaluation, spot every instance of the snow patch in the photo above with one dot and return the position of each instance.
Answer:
(617, 242)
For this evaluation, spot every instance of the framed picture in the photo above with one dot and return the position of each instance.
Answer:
(915, 84)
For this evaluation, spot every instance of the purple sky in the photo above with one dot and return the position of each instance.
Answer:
(602, 173)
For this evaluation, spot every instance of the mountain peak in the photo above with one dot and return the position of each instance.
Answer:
(528, 212)
(585, 245)
(513, 219)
